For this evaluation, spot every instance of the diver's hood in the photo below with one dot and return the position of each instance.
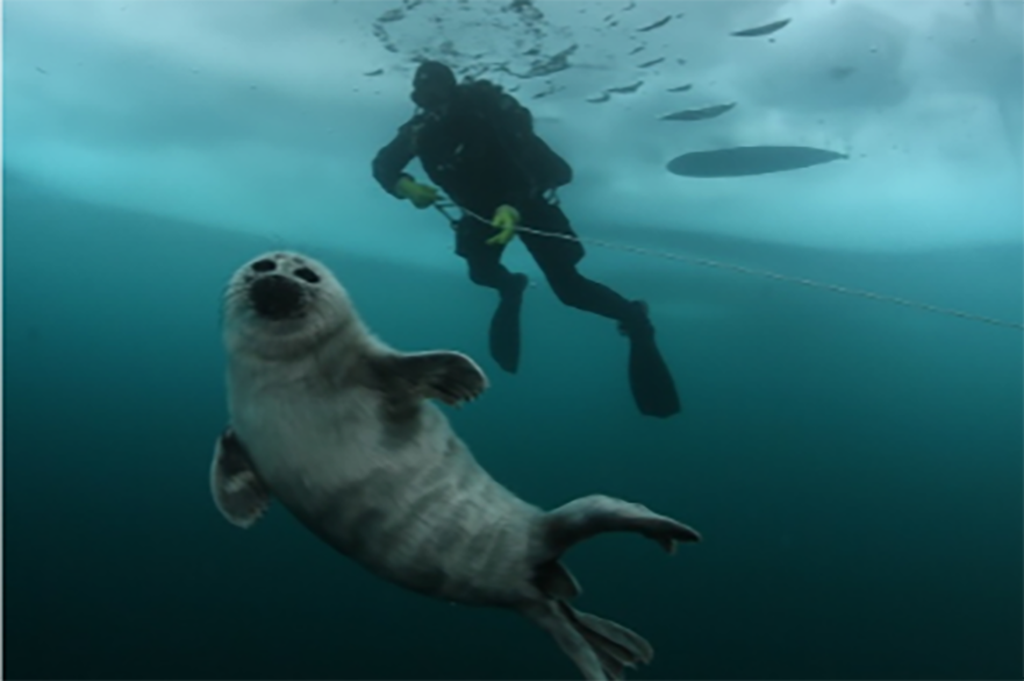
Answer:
(433, 85)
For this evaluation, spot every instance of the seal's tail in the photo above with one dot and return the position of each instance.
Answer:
(602, 650)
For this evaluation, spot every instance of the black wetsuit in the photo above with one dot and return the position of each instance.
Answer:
(483, 153)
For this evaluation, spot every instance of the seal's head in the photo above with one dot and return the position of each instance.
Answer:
(284, 303)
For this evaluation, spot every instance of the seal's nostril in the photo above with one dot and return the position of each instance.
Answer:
(264, 266)
(307, 275)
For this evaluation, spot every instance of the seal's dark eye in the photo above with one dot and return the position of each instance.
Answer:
(307, 274)
(264, 266)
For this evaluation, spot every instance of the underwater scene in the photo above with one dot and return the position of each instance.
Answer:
(513, 339)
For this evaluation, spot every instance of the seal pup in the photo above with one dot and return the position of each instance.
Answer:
(340, 429)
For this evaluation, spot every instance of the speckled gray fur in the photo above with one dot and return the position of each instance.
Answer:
(340, 430)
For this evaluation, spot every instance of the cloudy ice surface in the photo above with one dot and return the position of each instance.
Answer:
(259, 116)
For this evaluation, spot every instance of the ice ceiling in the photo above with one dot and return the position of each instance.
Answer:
(264, 116)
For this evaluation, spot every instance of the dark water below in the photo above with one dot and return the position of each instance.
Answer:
(854, 467)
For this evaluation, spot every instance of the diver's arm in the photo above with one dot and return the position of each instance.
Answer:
(389, 163)
(557, 171)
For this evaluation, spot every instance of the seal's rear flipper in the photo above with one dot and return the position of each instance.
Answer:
(600, 649)
(238, 492)
(591, 515)
(451, 377)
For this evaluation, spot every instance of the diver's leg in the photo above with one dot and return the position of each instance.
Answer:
(650, 380)
(485, 269)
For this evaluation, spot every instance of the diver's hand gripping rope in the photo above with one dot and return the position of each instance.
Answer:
(742, 270)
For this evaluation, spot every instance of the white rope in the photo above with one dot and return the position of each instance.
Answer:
(834, 288)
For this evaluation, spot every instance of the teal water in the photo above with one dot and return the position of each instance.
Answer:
(855, 467)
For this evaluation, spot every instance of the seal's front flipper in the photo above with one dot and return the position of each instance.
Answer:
(238, 492)
(451, 377)
(586, 517)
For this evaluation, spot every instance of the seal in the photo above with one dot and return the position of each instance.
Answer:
(342, 430)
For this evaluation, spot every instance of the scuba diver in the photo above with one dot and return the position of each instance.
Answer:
(477, 143)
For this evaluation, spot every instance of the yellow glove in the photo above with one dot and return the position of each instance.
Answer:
(419, 195)
(505, 219)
